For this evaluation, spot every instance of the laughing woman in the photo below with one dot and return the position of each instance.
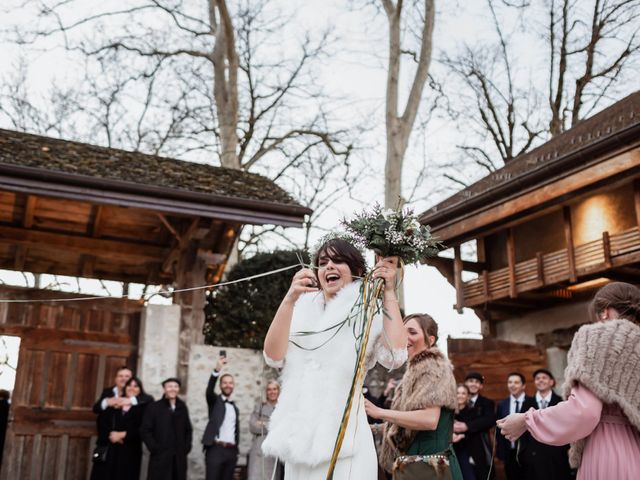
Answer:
(419, 425)
(318, 368)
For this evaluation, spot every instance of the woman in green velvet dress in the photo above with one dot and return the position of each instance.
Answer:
(420, 420)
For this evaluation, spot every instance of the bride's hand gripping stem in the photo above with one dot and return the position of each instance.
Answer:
(277, 338)
(387, 270)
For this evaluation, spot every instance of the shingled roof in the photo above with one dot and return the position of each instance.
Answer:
(62, 161)
(613, 128)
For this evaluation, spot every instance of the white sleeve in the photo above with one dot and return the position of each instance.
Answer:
(271, 362)
(391, 358)
(103, 404)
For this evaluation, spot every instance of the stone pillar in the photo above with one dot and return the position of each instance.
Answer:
(158, 346)
(250, 374)
(557, 361)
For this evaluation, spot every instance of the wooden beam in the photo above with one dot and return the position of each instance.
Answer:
(80, 244)
(87, 266)
(606, 249)
(568, 238)
(95, 230)
(444, 266)
(168, 226)
(636, 198)
(481, 250)
(457, 275)
(540, 269)
(485, 285)
(29, 209)
(511, 261)
(197, 230)
(20, 257)
(467, 266)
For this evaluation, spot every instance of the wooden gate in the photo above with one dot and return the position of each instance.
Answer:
(69, 353)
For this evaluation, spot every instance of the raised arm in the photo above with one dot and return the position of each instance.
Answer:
(395, 335)
(276, 341)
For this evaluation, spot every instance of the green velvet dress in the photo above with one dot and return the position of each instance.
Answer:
(429, 442)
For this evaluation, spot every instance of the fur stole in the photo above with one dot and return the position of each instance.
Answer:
(605, 358)
(316, 382)
(427, 382)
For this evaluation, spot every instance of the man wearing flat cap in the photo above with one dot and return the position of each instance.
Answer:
(541, 461)
(476, 429)
(166, 431)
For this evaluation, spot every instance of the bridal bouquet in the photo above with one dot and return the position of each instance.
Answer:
(388, 233)
(392, 233)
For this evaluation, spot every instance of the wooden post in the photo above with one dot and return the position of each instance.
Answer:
(636, 197)
(511, 259)
(606, 248)
(457, 275)
(190, 272)
(485, 286)
(540, 268)
(481, 250)
(568, 238)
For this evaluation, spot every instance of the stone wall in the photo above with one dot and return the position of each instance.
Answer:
(158, 346)
(524, 328)
(250, 374)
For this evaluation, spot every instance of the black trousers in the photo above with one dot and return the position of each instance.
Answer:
(220, 462)
(512, 468)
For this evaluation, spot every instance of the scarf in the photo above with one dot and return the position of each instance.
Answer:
(605, 358)
(427, 382)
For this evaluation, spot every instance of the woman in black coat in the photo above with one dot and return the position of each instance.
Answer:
(460, 444)
(166, 431)
(119, 430)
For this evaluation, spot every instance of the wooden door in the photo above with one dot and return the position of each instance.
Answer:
(68, 354)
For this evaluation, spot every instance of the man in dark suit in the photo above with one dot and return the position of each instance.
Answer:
(114, 395)
(481, 419)
(541, 461)
(222, 434)
(506, 450)
(166, 431)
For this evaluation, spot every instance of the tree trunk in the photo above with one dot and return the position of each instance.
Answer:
(399, 127)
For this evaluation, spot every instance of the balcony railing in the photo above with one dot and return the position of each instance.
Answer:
(548, 269)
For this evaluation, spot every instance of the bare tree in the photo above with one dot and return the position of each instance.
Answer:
(190, 79)
(590, 50)
(399, 125)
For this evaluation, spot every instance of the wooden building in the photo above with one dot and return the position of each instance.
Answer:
(547, 229)
(69, 208)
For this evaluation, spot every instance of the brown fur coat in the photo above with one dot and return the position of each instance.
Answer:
(605, 358)
(427, 382)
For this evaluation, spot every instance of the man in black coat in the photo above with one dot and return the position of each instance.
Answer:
(222, 434)
(166, 431)
(506, 450)
(541, 461)
(481, 419)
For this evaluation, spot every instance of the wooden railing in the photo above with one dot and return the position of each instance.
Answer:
(548, 269)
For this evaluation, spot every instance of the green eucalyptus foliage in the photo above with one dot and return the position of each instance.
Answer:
(239, 315)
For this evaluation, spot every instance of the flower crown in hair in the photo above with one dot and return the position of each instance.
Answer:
(335, 235)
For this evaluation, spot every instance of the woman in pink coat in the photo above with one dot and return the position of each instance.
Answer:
(601, 414)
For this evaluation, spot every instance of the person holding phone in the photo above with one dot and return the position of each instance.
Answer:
(222, 433)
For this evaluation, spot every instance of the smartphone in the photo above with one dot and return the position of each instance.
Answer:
(223, 353)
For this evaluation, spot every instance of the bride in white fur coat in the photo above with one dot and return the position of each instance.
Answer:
(316, 381)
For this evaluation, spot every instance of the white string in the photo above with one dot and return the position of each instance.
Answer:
(215, 285)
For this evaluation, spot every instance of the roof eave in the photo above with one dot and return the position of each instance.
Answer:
(624, 139)
(150, 197)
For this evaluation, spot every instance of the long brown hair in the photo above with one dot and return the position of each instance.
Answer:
(427, 324)
(623, 297)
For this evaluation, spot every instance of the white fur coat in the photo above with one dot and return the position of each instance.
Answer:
(315, 383)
